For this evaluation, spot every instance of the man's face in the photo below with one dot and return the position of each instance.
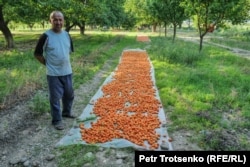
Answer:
(57, 22)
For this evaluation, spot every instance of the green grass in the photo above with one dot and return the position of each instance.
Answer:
(199, 89)
(76, 155)
(18, 69)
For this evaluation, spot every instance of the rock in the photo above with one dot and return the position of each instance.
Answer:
(100, 156)
(188, 134)
(3, 158)
(76, 126)
(164, 125)
(139, 148)
(26, 163)
(87, 165)
(89, 156)
(119, 162)
(164, 146)
(70, 133)
(112, 151)
(121, 155)
(50, 157)
(4, 152)
(205, 132)
(14, 161)
(35, 164)
(39, 128)
(19, 158)
(100, 149)
(23, 159)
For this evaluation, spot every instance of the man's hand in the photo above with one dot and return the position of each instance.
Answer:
(41, 59)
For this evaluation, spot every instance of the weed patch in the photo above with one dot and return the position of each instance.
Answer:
(76, 154)
(40, 103)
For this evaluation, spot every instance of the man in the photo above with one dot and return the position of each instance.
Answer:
(53, 50)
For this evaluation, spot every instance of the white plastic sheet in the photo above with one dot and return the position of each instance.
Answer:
(74, 135)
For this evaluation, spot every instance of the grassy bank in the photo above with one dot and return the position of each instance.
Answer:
(207, 92)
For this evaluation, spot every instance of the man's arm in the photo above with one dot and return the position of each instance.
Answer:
(38, 53)
(41, 59)
(71, 43)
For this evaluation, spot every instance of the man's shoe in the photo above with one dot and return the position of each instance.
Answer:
(59, 126)
(69, 116)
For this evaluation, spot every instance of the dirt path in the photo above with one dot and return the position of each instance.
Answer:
(27, 139)
(240, 52)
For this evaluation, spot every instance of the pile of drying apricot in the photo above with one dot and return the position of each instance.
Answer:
(128, 108)
(142, 38)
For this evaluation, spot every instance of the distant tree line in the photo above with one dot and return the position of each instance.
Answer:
(126, 14)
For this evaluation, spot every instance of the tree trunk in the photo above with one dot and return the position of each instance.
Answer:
(43, 24)
(31, 25)
(159, 29)
(82, 30)
(174, 35)
(201, 42)
(6, 31)
(68, 27)
(202, 35)
(165, 28)
(82, 27)
(154, 28)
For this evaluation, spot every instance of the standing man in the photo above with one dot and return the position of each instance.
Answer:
(53, 50)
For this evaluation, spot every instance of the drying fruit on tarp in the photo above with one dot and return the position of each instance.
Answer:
(142, 38)
(128, 108)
